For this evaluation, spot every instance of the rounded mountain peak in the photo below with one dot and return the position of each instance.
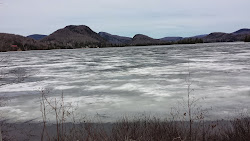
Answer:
(141, 36)
(80, 29)
(77, 27)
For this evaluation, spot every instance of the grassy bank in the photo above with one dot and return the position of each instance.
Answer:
(143, 129)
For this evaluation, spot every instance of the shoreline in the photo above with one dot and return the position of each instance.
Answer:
(128, 46)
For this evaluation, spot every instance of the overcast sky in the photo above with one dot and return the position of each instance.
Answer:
(155, 18)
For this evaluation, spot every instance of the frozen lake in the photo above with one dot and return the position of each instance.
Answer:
(112, 82)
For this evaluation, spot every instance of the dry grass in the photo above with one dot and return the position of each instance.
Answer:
(239, 130)
(153, 129)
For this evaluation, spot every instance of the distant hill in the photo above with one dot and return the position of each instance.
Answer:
(176, 39)
(140, 39)
(171, 39)
(115, 39)
(227, 37)
(74, 37)
(36, 36)
(12, 42)
(218, 37)
(81, 36)
(199, 36)
(242, 31)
